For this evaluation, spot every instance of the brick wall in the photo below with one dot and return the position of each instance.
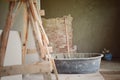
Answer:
(57, 34)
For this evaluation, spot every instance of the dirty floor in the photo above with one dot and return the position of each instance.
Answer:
(94, 76)
(110, 70)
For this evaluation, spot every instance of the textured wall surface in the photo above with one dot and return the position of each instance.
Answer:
(96, 23)
(59, 31)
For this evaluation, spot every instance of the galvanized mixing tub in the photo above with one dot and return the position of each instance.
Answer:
(77, 63)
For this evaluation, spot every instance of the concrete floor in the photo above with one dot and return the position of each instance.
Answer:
(113, 65)
(94, 76)
(110, 70)
(111, 75)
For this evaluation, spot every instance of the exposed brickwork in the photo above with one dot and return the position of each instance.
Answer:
(56, 31)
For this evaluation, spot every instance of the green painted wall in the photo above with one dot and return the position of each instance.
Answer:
(96, 23)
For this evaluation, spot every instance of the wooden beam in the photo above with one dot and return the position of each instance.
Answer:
(55, 69)
(37, 17)
(67, 38)
(5, 33)
(32, 51)
(42, 12)
(47, 76)
(38, 39)
(25, 34)
(43, 67)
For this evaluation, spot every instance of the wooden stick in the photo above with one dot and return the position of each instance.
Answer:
(46, 42)
(38, 42)
(35, 20)
(67, 38)
(52, 60)
(32, 51)
(40, 47)
(25, 36)
(38, 19)
(55, 69)
(42, 67)
(5, 33)
(42, 12)
(6, 30)
(47, 76)
(38, 30)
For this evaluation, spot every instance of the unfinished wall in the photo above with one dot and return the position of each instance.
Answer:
(59, 31)
(96, 23)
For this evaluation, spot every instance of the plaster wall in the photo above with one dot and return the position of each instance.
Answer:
(96, 23)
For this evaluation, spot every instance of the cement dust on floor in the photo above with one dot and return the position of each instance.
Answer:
(93, 76)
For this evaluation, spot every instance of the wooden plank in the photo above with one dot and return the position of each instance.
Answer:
(5, 34)
(34, 14)
(44, 38)
(47, 76)
(32, 51)
(55, 69)
(25, 36)
(67, 38)
(38, 19)
(43, 67)
(52, 60)
(42, 12)
(38, 40)
(34, 21)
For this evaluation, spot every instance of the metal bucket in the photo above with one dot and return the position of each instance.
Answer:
(78, 63)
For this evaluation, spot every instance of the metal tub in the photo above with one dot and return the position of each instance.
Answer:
(77, 63)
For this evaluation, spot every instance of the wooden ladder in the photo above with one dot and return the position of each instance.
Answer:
(33, 17)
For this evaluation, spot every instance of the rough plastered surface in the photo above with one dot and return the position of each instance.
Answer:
(56, 31)
(13, 54)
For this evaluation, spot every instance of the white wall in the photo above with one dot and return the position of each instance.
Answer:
(13, 54)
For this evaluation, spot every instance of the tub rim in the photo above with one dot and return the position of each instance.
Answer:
(100, 55)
